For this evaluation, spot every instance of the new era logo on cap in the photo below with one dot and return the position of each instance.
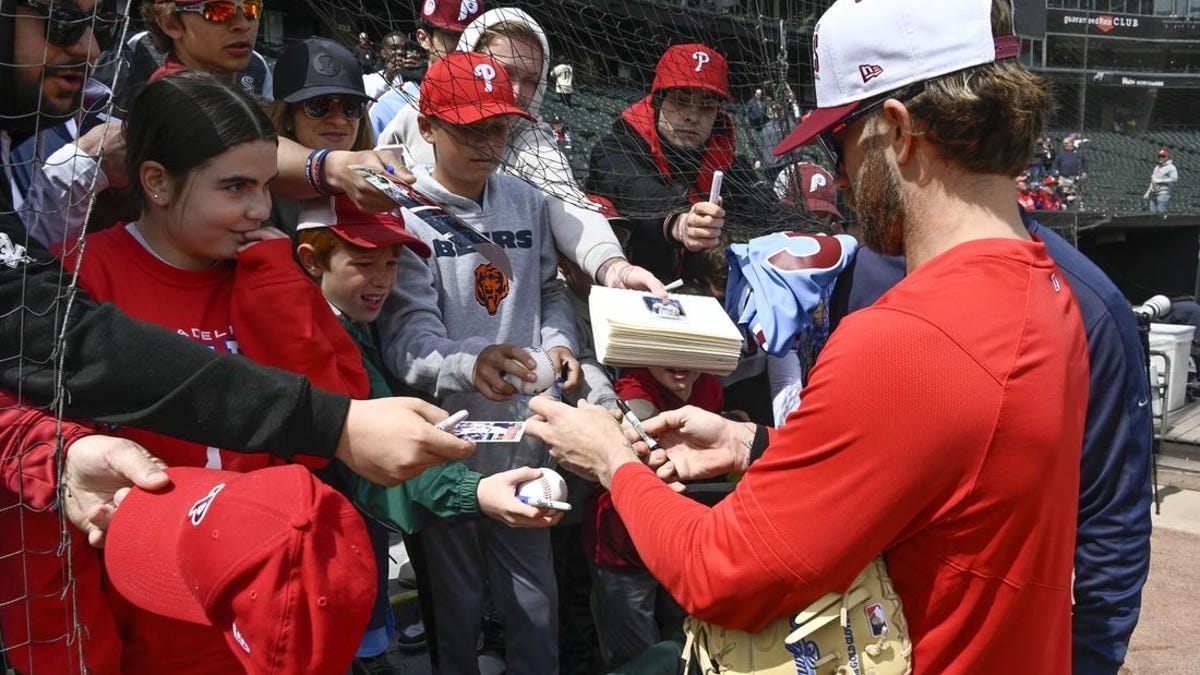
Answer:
(869, 72)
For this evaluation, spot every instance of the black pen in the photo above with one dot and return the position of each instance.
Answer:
(636, 424)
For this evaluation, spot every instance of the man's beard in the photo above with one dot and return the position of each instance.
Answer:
(878, 201)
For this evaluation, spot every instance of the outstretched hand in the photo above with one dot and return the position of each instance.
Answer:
(341, 177)
(587, 440)
(696, 444)
(99, 471)
(624, 274)
(389, 440)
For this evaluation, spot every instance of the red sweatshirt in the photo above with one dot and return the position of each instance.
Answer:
(262, 307)
(941, 427)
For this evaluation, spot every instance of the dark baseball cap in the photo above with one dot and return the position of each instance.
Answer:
(316, 67)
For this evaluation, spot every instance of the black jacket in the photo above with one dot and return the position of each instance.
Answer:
(625, 170)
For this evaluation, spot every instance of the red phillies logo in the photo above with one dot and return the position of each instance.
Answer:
(1104, 22)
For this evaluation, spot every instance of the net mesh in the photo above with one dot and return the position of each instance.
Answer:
(1122, 99)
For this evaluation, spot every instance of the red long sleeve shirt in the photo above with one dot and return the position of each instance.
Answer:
(941, 427)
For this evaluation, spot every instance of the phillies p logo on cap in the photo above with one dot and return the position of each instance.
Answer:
(487, 73)
(701, 59)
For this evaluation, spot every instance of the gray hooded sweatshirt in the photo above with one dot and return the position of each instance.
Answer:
(445, 311)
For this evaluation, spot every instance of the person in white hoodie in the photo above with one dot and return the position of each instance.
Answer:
(581, 233)
(1162, 179)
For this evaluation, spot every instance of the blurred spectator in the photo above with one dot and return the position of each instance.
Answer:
(756, 110)
(772, 133)
(1070, 163)
(413, 64)
(364, 53)
(1026, 197)
(1043, 158)
(809, 186)
(1047, 198)
(395, 46)
(564, 81)
(560, 133)
(794, 104)
(1162, 179)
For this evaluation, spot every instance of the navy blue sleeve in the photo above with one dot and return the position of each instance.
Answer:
(1112, 546)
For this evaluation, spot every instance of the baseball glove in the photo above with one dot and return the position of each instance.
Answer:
(860, 632)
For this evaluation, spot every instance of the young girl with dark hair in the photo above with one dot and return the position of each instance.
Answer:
(198, 263)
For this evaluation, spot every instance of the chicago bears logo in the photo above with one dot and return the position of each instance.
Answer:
(701, 58)
(491, 287)
(869, 71)
(467, 8)
(487, 73)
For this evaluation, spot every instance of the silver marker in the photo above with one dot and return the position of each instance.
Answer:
(636, 424)
(448, 423)
(714, 192)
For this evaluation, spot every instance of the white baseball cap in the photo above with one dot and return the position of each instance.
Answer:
(862, 50)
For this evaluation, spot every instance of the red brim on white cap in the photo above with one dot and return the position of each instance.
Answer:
(814, 124)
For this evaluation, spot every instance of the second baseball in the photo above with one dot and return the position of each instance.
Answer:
(545, 371)
(550, 485)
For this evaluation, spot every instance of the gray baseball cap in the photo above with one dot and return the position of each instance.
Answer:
(316, 67)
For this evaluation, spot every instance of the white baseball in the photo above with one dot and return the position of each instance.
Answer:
(546, 372)
(550, 485)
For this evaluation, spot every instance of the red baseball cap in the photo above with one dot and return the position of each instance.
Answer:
(1164, 153)
(451, 15)
(368, 230)
(853, 65)
(820, 194)
(468, 87)
(276, 559)
(692, 65)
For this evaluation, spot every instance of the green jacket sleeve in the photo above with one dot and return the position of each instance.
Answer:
(445, 491)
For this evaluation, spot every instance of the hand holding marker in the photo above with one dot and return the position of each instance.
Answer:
(714, 192)
(636, 424)
(448, 423)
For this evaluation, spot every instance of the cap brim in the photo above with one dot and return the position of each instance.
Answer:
(377, 235)
(813, 124)
(140, 550)
(477, 112)
(329, 90)
(822, 206)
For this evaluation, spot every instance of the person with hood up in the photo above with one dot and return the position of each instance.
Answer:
(581, 232)
(658, 163)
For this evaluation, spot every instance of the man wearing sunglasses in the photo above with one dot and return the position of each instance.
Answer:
(47, 52)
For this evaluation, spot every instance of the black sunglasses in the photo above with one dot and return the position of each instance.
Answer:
(352, 107)
(66, 24)
(828, 140)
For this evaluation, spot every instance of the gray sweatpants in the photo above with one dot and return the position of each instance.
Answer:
(470, 558)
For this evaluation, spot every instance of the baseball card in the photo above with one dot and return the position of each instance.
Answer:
(481, 431)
